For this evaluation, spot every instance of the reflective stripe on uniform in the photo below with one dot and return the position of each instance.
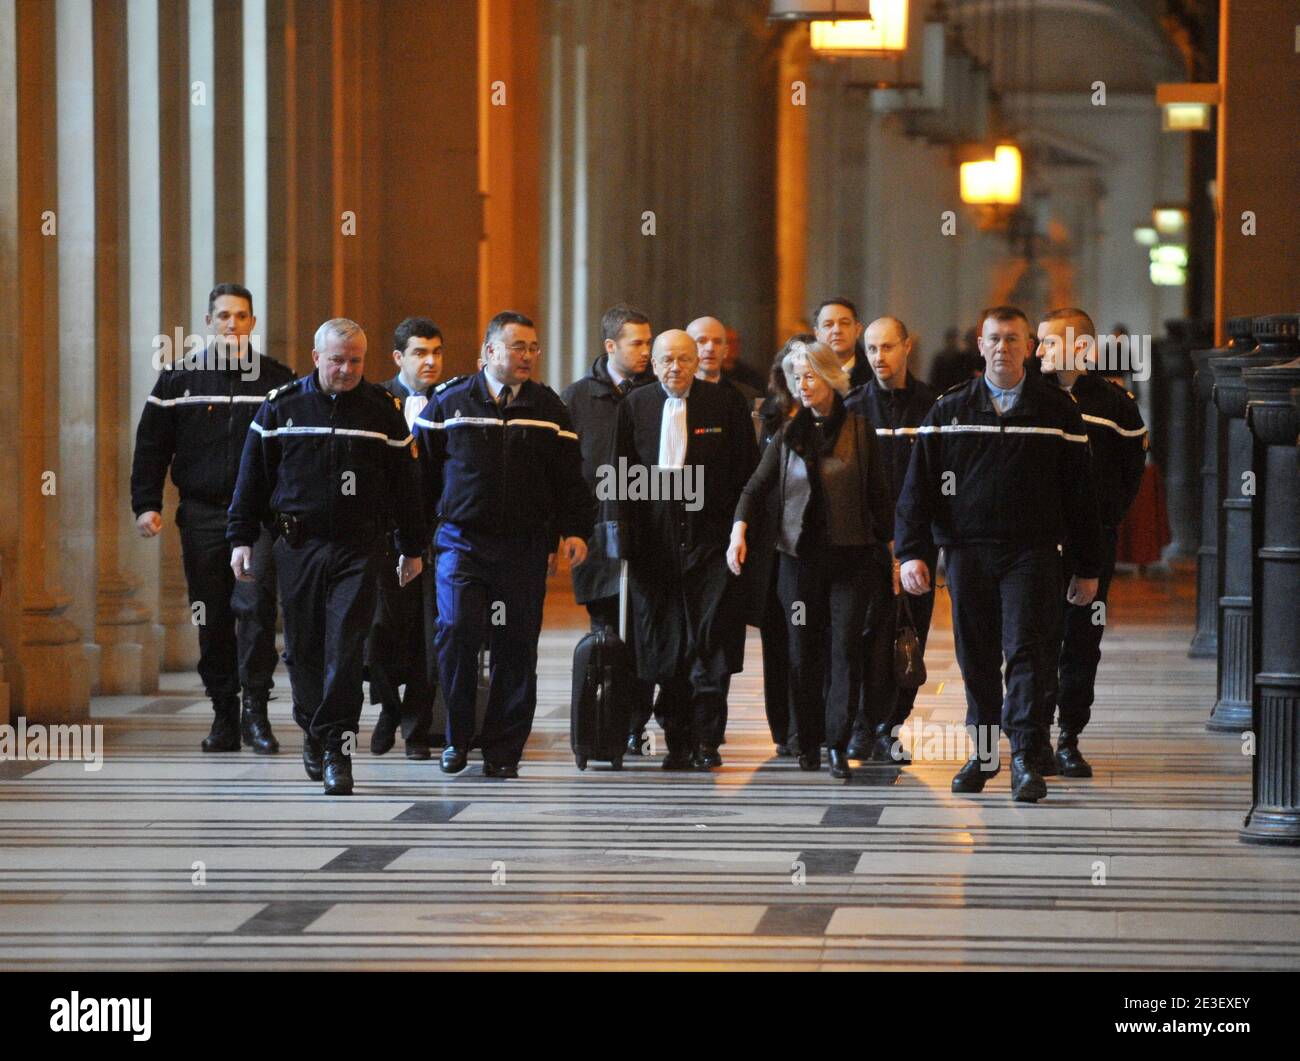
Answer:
(357, 432)
(208, 399)
(1127, 432)
(489, 421)
(999, 429)
(897, 430)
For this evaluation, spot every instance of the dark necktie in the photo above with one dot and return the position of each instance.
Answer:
(503, 398)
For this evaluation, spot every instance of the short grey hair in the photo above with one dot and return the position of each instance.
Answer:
(822, 360)
(340, 327)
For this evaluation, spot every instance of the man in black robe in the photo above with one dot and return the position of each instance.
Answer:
(683, 450)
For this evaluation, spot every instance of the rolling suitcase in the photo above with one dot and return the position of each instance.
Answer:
(600, 713)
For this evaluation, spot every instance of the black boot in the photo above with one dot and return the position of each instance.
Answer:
(255, 727)
(1027, 784)
(338, 772)
(972, 777)
(1069, 762)
(888, 750)
(224, 736)
(313, 756)
(839, 764)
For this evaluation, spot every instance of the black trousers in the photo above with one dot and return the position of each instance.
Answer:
(396, 650)
(778, 697)
(884, 704)
(1006, 601)
(327, 590)
(1074, 686)
(604, 616)
(825, 603)
(237, 627)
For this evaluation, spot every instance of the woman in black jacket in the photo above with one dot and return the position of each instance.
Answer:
(833, 529)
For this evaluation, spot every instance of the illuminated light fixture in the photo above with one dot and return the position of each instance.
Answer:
(883, 34)
(1186, 118)
(1165, 275)
(1169, 254)
(1169, 220)
(1146, 235)
(1186, 107)
(994, 182)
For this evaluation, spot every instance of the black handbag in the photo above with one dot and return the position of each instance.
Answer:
(909, 664)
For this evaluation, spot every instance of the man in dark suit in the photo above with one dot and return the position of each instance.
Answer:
(683, 451)
(840, 328)
(395, 650)
(593, 403)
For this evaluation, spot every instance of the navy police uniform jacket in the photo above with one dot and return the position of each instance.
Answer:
(511, 471)
(302, 444)
(1023, 478)
(1119, 442)
(195, 422)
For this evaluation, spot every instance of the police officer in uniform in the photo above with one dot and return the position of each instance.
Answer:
(503, 475)
(593, 403)
(329, 462)
(1118, 440)
(195, 422)
(1001, 475)
(396, 649)
(895, 402)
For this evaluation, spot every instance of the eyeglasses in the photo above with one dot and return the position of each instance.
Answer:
(520, 347)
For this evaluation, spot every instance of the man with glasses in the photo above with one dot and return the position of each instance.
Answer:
(503, 477)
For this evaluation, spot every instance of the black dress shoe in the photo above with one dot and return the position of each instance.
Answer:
(418, 750)
(313, 756)
(255, 727)
(679, 760)
(1027, 784)
(502, 770)
(861, 747)
(839, 764)
(1043, 761)
(972, 777)
(385, 734)
(883, 751)
(707, 758)
(810, 762)
(453, 759)
(337, 773)
(224, 735)
(635, 741)
(783, 751)
(1070, 763)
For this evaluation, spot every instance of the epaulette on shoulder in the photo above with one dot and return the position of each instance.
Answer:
(285, 388)
(450, 383)
(954, 388)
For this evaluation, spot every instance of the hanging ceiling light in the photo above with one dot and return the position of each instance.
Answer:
(869, 28)
(993, 182)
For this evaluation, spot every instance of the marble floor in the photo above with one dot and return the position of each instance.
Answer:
(168, 858)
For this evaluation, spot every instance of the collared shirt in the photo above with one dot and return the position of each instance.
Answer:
(672, 431)
(615, 375)
(494, 388)
(413, 402)
(1004, 399)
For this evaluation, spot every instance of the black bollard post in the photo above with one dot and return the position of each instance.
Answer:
(1205, 643)
(1274, 423)
(1178, 425)
(1231, 712)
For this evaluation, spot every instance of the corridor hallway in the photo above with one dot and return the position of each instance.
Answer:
(756, 866)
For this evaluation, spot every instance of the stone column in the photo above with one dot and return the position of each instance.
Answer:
(123, 626)
(1178, 422)
(1237, 489)
(1205, 642)
(49, 682)
(1274, 816)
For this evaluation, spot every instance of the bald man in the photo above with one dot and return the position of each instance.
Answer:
(895, 402)
(691, 439)
(712, 344)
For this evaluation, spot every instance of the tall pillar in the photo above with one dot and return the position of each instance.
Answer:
(1177, 423)
(1237, 489)
(123, 625)
(49, 670)
(1274, 816)
(1205, 642)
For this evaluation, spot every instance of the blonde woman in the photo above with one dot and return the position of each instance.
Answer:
(834, 521)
